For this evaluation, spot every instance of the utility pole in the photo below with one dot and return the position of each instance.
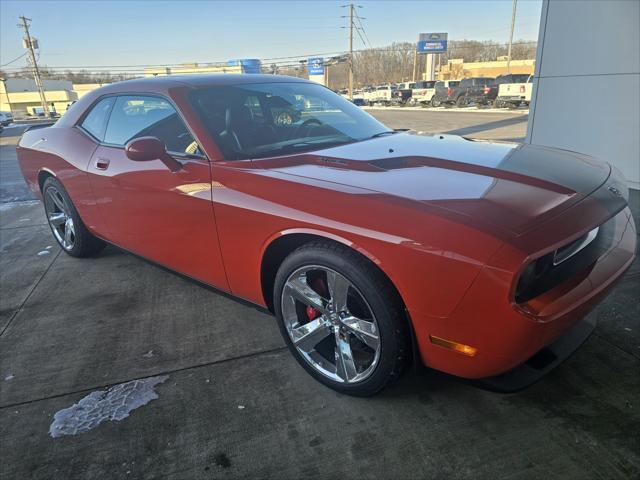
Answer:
(351, 7)
(36, 73)
(415, 59)
(513, 23)
(6, 92)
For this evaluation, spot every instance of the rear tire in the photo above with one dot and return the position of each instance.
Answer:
(66, 225)
(367, 317)
(461, 101)
(435, 102)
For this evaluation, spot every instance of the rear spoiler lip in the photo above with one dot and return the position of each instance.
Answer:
(39, 125)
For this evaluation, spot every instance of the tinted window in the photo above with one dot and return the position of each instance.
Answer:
(483, 81)
(296, 117)
(147, 116)
(96, 120)
(454, 83)
(466, 82)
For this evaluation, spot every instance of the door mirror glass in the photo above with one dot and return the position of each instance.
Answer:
(144, 149)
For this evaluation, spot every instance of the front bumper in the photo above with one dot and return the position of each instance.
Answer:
(506, 335)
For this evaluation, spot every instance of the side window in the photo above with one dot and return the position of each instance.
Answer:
(147, 116)
(96, 120)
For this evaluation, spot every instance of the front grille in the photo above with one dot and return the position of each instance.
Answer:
(568, 261)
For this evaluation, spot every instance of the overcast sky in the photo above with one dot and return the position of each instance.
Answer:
(87, 33)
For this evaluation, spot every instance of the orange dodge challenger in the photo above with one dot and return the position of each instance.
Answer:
(371, 246)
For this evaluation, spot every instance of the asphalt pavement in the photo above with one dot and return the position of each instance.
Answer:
(235, 404)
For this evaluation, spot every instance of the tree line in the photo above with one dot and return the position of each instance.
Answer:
(372, 66)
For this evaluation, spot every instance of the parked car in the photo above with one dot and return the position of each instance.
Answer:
(422, 93)
(402, 93)
(514, 91)
(369, 245)
(6, 118)
(473, 90)
(443, 91)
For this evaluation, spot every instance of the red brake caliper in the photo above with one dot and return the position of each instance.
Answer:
(319, 286)
(312, 313)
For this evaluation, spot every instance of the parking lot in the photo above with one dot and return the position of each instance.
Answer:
(237, 405)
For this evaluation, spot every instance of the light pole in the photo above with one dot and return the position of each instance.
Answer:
(513, 23)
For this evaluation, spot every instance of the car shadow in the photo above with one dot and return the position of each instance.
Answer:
(483, 127)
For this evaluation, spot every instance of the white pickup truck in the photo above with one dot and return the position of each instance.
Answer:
(382, 94)
(515, 91)
(422, 92)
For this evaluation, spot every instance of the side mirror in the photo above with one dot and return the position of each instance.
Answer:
(144, 149)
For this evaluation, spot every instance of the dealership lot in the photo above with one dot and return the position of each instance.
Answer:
(237, 405)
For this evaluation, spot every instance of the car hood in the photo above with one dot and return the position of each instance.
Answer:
(510, 186)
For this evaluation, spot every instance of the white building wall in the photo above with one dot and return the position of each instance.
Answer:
(586, 94)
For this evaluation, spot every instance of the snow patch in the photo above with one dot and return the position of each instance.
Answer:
(113, 404)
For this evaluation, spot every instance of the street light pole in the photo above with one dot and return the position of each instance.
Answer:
(513, 23)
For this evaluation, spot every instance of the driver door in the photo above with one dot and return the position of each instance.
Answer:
(161, 215)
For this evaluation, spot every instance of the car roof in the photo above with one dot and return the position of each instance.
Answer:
(164, 82)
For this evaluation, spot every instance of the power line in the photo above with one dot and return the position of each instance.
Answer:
(14, 60)
(363, 30)
(280, 61)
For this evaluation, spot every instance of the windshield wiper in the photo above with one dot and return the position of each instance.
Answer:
(382, 134)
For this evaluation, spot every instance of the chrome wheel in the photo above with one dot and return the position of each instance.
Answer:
(330, 324)
(59, 218)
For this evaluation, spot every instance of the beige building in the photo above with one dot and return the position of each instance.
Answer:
(456, 68)
(82, 89)
(20, 96)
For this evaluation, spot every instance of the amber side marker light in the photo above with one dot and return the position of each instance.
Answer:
(455, 346)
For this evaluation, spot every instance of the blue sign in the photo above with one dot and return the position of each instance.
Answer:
(432, 43)
(315, 65)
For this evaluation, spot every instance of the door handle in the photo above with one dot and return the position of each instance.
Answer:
(102, 163)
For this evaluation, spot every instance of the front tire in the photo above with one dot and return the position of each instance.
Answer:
(435, 102)
(341, 318)
(65, 223)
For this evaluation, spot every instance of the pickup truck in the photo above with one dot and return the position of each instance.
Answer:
(403, 92)
(515, 92)
(422, 92)
(444, 89)
(382, 94)
(476, 89)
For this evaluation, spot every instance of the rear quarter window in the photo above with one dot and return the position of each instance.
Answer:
(95, 122)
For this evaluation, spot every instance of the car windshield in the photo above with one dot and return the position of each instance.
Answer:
(271, 119)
